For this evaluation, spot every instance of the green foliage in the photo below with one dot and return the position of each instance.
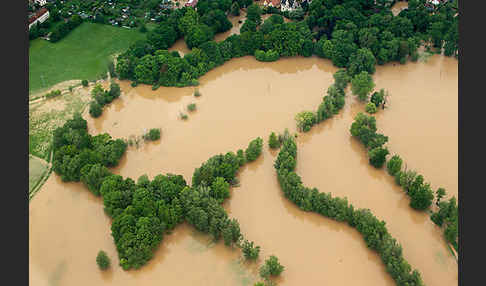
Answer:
(153, 134)
(377, 156)
(273, 141)
(361, 85)
(197, 93)
(102, 260)
(305, 120)
(394, 165)
(249, 251)
(254, 14)
(53, 93)
(235, 9)
(378, 97)
(254, 149)
(370, 107)
(440, 193)
(271, 267)
(84, 82)
(268, 56)
(220, 189)
(341, 79)
(362, 60)
(95, 109)
(191, 107)
(92, 175)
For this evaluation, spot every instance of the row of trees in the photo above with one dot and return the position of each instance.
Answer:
(63, 29)
(331, 104)
(102, 97)
(373, 230)
(420, 193)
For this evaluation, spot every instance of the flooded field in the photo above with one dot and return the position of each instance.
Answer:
(240, 101)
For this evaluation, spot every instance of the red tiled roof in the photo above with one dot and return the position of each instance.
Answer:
(37, 14)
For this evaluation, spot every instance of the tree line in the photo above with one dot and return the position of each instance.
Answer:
(64, 28)
(144, 211)
(374, 231)
(420, 193)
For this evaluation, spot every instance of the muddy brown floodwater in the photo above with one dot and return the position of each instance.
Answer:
(241, 100)
(398, 7)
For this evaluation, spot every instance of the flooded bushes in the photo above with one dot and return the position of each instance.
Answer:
(152, 135)
(373, 231)
(273, 141)
(102, 260)
(272, 267)
(102, 97)
(254, 149)
(74, 148)
(250, 252)
(53, 93)
(361, 85)
(305, 120)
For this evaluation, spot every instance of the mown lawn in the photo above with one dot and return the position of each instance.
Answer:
(83, 54)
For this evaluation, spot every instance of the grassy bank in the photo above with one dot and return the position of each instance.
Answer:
(37, 170)
(83, 54)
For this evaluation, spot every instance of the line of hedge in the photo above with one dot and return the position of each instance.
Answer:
(373, 230)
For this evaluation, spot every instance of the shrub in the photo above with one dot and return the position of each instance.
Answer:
(102, 260)
(254, 149)
(84, 82)
(378, 156)
(370, 107)
(191, 107)
(378, 97)
(183, 116)
(271, 267)
(273, 141)
(197, 93)
(95, 109)
(394, 165)
(249, 251)
(53, 93)
(153, 134)
(305, 120)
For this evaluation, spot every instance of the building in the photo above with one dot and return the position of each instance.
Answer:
(290, 5)
(41, 2)
(271, 3)
(38, 17)
(191, 3)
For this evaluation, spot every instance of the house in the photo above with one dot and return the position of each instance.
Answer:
(191, 3)
(41, 2)
(271, 3)
(39, 17)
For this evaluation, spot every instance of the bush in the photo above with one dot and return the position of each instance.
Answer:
(254, 149)
(394, 165)
(197, 93)
(95, 109)
(271, 267)
(183, 116)
(102, 260)
(305, 120)
(273, 141)
(84, 82)
(378, 156)
(249, 251)
(53, 93)
(378, 97)
(370, 107)
(191, 107)
(153, 134)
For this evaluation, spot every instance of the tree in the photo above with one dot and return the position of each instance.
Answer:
(197, 35)
(394, 165)
(84, 82)
(249, 251)
(362, 60)
(370, 108)
(93, 175)
(440, 194)
(421, 197)
(254, 149)
(362, 84)
(249, 25)
(220, 189)
(378, 97)
(305, 120)
(377, 156)
(254, 14)
(273, 141)
(341, 79)
(95, 109)
(271, 267)
(235, 9)
(102, 260)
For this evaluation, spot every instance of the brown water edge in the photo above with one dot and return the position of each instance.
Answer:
(68, 227)
(240, 100)
(421, 118)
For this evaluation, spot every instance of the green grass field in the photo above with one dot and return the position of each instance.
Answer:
(37, 170)
(83, 54)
